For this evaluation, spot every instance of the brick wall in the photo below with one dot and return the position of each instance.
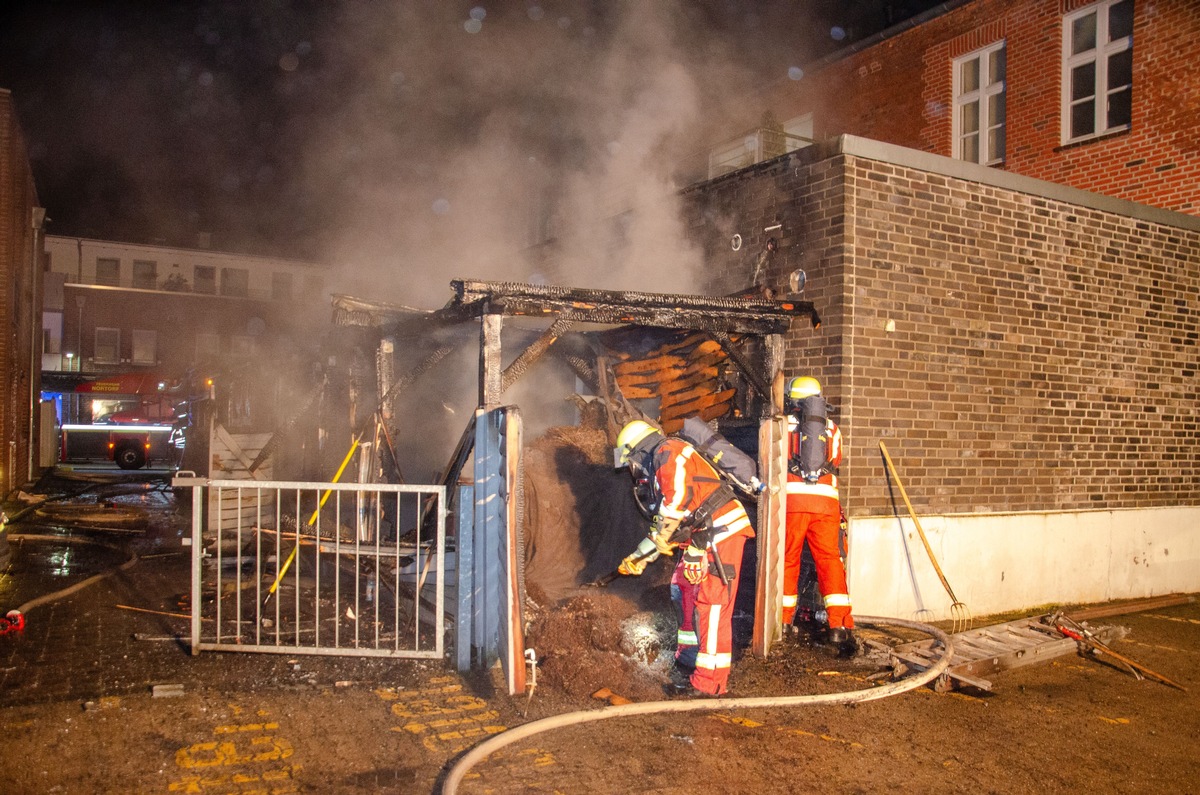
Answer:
(874, 94)
(1015, 351)
(19, 304)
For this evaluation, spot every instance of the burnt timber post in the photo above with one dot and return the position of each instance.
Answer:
(489, 361)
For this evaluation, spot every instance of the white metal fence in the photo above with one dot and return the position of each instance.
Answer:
(318, 568)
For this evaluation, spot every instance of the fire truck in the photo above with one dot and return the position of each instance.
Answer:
(133, 422)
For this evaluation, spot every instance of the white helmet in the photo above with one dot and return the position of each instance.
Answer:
(632, 435)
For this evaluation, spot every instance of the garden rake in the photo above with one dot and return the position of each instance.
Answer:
(960, 615)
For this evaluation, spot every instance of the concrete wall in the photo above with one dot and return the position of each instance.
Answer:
(999, 562)
(1027, 351)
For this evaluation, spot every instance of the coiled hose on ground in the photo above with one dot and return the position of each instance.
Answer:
(498, 741)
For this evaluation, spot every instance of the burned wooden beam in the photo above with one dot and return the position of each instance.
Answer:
(748, 369)
(737, 315)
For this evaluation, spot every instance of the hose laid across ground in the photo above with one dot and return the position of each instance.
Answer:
(79, 586)
(498, 741)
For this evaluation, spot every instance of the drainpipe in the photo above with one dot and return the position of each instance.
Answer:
(35, 337)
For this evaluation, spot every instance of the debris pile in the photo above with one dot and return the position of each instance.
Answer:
(600, 640)
(580, 521)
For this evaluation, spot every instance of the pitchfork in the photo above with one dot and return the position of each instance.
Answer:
(959, 613)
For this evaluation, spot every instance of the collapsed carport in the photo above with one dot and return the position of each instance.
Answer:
(638, 355)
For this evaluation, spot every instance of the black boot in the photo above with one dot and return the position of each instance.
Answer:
(841, 641)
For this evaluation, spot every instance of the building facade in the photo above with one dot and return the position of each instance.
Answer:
(21, 221)
(1026, 351)
(1101, 95)
(122, 308)
(997, 219)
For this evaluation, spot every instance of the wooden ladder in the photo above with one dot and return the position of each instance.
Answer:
(989, 650)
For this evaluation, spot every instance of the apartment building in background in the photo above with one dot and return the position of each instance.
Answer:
(117, 309)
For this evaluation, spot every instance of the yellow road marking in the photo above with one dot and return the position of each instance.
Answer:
(1174, 618)
(826, 737)
(233, 763)
(750, 724)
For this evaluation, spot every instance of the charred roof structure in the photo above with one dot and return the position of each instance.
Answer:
(651, 355)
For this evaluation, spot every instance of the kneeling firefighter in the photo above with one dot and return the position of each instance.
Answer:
(694, 510)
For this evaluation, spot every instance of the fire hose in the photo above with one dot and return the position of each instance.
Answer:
(497, 741)
(17, 617)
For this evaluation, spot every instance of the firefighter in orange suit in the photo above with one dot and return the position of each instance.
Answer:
(813, 509)
(697, 512)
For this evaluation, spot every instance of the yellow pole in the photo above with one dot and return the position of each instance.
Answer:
(312, 519)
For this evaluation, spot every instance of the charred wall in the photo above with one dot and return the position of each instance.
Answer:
(1020, 346)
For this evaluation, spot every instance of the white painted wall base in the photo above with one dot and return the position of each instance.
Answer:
(1002, 562)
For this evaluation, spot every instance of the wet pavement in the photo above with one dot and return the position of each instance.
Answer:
(107, 608)
(100, 693)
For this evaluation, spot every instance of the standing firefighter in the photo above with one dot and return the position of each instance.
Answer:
(696, 511)
(813, 509)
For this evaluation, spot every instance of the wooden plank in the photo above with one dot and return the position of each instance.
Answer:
(643, 379)
(674, 424)
(699, 405)
(639, 392)
(684, 397)
(704, 362)
(705, 375)
(653, 365)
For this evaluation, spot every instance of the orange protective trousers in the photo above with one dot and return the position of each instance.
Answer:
(714, 618)
(822, 531)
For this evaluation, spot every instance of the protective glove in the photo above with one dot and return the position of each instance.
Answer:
(695, 565)
(661, 531)
(635, 564)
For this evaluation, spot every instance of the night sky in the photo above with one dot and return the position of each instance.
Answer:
(278, 125)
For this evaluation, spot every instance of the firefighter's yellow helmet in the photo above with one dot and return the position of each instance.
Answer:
(633, 434)
(802, 387)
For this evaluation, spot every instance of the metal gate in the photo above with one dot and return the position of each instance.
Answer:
(347, 569)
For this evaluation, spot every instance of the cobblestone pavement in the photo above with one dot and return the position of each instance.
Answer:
(100, 693)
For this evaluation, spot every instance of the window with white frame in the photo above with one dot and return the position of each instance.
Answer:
(1097, 70)
(108, 346)
(145, 346)
(108, 271)
(145, 274)
(979, 105)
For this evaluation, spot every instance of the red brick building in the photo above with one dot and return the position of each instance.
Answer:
(1008, 273)
(1102, 95)
(20, 304)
